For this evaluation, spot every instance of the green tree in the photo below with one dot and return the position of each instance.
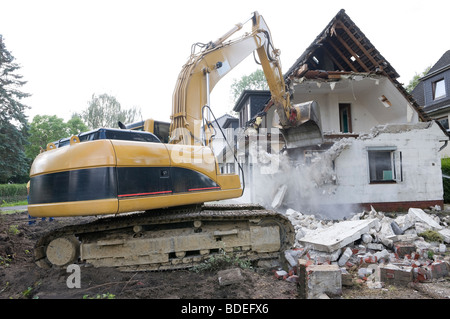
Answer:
(76, 125)
(415, 80)
(43, 130)
(105, 111)
(50, 128)
(253, 81)
(13, 122)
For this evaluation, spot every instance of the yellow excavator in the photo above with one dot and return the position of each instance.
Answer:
(158, 200)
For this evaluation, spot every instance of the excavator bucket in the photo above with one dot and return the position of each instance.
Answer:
(309, 130)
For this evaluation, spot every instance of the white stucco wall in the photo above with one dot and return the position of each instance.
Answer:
(366, 109)
(421, 167)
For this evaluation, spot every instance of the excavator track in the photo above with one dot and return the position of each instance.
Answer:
(168, 239)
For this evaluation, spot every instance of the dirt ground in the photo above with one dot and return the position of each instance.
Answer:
(20, 278)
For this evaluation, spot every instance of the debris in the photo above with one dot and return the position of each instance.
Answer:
(423, 217)
(403, 249)
(446, 234)
(315, 280)
(278, 199)
(396, 275)
(370, 249)
(345, 257)
(230, 276)
(339, 235)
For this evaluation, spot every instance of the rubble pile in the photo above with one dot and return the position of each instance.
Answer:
(370, 248)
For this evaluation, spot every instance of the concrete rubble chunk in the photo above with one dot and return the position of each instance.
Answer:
(446, 234)
(396, 275)
(421, 216)
(345, 256)
(230, 276)
(278, 198)
(339, 235)
(315, 280)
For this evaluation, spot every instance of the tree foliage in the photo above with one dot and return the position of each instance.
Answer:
(105, 111)
(50, 128)
(253, 81)
(13, 121)
(415, 80)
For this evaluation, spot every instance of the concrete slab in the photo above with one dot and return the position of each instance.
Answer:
(421, 216)
(339, 235)
(446, 233)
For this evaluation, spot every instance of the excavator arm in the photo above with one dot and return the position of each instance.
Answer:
(206, 68)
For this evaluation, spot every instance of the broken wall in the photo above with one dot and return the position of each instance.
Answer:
(417, 164)
(363, 93)
(337, 182)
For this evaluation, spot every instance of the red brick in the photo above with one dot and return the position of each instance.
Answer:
(400, 276)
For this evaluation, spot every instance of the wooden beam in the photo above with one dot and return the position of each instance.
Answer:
(332, 58)
(342, 56)
(358, 43)
(353, 53)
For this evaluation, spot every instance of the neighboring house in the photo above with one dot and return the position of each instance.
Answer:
(225, 124)
(433, 93)
(379, 147)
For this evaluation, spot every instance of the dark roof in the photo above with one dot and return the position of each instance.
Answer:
(441, 63)
(231, 123)
(342, 46)
(419, 94)
(264, 94)
(223, 119)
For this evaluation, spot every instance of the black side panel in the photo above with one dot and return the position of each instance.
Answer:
(147, 181)
(143, 181)
(77, 185)
(101, 183)
(186, 180)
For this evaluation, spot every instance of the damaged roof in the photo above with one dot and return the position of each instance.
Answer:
(343, 47)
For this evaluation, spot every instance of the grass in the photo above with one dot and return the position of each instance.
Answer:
(10, 204)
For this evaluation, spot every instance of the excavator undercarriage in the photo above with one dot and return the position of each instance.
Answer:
(169, 239)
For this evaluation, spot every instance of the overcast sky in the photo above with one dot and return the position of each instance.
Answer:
(134, 49)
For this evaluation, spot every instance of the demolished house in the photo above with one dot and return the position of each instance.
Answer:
(378, 148)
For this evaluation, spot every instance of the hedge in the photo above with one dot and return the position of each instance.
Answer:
(445, 164)
(13, 192)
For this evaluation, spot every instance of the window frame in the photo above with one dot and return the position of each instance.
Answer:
(434, 86)
(395, 165)
(345, 111)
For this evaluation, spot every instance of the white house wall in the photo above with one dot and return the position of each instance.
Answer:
(421, 168)
(364, 95)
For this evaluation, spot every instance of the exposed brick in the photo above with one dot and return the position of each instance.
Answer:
(439, 269)
(393, 275)
(403, 249)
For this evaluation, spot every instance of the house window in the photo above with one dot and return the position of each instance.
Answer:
(385, 165)
(345, 118)
(439, 89)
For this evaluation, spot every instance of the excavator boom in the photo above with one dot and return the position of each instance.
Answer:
(206, 68)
